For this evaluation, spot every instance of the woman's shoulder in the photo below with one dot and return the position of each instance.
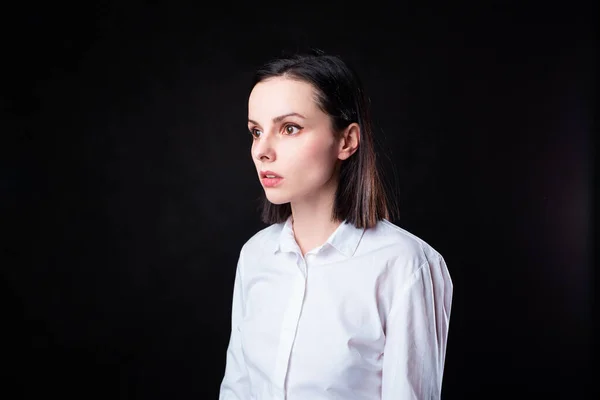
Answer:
(397, 242)
(264, 238)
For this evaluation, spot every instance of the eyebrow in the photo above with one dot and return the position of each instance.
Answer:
(281, 117)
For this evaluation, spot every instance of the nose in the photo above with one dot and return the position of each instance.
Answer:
(263, 150)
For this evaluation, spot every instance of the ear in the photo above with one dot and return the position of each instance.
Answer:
(349, 141)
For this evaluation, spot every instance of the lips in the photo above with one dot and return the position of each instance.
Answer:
(270, 179)
(269, 174)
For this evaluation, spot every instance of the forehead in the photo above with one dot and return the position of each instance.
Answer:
(278, 96)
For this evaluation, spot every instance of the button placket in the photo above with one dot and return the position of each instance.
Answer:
(289, 327)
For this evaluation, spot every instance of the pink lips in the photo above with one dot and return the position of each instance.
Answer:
(270, 182)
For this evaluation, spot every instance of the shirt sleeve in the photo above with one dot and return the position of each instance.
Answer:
(416, 335)
(235, 383)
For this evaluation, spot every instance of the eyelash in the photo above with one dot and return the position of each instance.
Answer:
(252, 130)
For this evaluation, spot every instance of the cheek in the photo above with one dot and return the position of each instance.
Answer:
(313, 157)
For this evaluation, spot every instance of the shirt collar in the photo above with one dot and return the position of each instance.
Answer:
(344, 239)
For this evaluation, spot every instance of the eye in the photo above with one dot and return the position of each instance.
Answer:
(291, 129)
(255, 132)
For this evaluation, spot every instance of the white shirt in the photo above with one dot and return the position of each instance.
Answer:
(364, 316)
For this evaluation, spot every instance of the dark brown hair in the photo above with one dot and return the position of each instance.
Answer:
(360, 197)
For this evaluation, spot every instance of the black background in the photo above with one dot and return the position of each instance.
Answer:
(128, 188)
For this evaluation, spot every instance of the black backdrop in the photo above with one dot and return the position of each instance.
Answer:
(128, 188)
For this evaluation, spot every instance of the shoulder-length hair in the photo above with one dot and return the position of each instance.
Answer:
(360, 197)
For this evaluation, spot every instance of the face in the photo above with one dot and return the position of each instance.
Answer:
(293, 139)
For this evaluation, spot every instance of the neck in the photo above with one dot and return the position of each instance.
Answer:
(312, 221)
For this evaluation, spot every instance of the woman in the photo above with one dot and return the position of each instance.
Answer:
(331, 300)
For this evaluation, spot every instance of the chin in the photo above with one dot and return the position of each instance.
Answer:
(277, 198)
